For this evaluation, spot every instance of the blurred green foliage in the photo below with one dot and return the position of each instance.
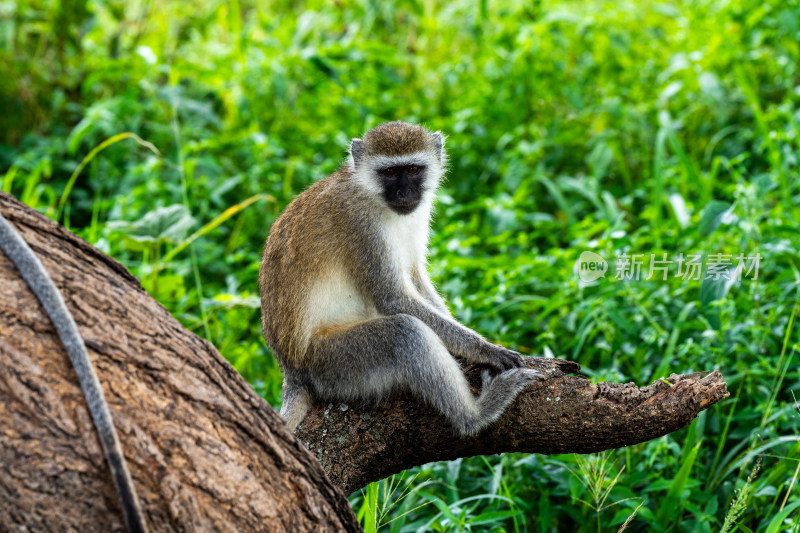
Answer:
(615, 127)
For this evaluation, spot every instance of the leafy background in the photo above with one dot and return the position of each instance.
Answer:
(171, 134)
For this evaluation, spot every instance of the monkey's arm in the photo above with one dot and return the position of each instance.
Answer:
(422, 282)
(459, 339)
(391, 297)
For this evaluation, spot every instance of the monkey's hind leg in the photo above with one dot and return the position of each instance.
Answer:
(367, 360)
(497, 393)
(295, 405)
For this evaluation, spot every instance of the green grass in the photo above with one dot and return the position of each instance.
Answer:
(171, 134)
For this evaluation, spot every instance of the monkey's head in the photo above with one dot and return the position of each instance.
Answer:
(400, 164)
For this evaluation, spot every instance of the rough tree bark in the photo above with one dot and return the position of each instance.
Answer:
(206, 452)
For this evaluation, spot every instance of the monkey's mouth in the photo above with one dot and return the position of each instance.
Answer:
(403, 200)
(403, 207)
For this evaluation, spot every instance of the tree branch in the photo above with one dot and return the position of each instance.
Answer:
(560, 414)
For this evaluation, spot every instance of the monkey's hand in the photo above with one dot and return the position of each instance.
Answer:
(500, 357)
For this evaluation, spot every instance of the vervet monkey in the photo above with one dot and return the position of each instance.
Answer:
(347, 304)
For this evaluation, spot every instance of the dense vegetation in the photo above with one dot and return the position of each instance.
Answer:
(170, 134)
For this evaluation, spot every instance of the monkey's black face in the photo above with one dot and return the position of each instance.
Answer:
(403, 187)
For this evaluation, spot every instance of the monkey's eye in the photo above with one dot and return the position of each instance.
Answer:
(388, 172)
(413, 170)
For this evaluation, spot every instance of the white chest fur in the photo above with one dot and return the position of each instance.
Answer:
(406, 238)
(333, 300)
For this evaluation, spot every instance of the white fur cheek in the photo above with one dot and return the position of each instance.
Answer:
(365, 179)
(434, 178)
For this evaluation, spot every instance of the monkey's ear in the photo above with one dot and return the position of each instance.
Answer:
(357, 151)
(438, 139)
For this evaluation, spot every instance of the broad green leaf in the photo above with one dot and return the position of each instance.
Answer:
(712, 216)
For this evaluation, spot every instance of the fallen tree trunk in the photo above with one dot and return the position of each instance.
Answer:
(205, 451)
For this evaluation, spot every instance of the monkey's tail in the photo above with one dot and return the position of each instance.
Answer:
(296, 403)
(40, 283)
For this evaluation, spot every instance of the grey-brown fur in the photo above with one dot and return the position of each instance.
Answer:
(395, 138)
(337, 230)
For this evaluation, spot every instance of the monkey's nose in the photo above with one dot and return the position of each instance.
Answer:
(410, 194)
